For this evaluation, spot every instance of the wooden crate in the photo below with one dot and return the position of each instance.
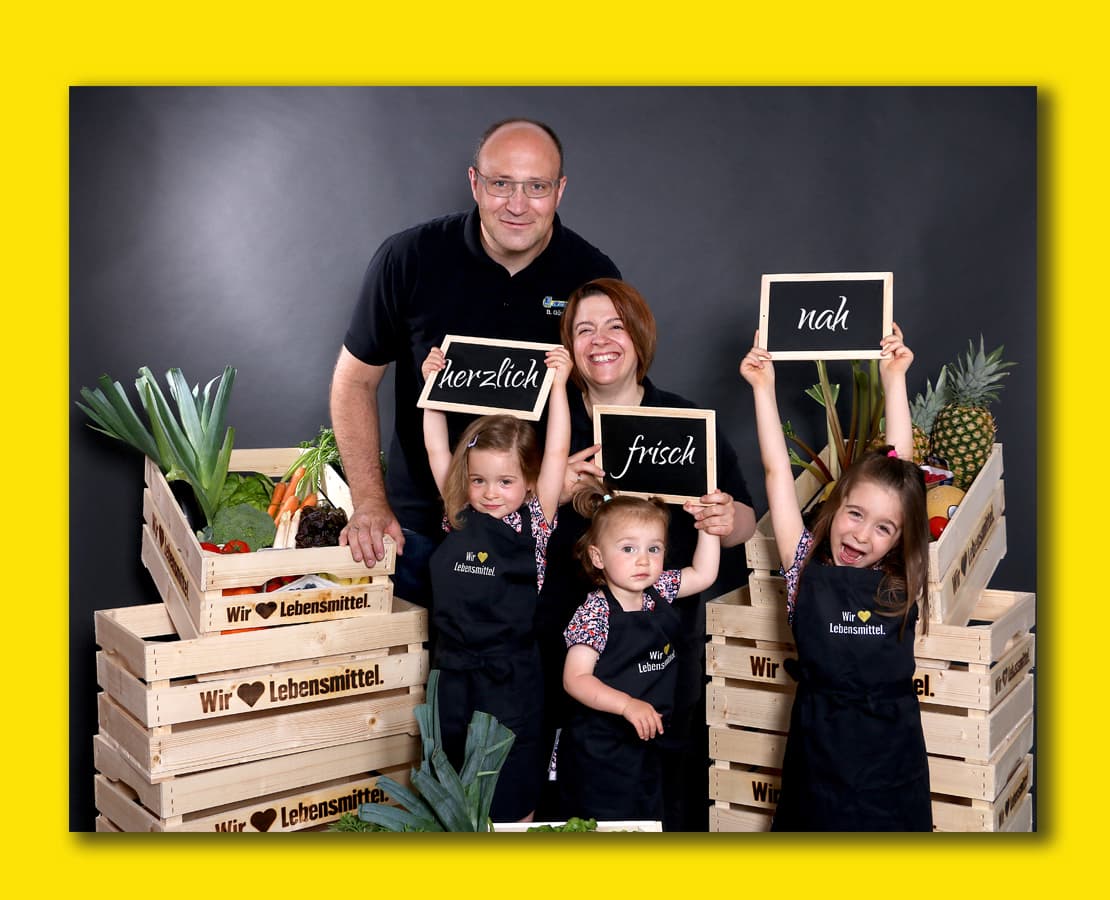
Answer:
(191, 581)
(176, 706)
(298, 810)
(961, 563)
(975, 684)
(178, 795)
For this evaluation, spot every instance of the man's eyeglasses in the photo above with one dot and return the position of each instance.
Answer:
(534, 189)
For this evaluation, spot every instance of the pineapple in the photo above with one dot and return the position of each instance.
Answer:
(964, 430)
(923, 413)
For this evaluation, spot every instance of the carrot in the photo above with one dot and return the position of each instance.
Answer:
(289, 504)
(275, 500)
(309, 500)
(294, 479)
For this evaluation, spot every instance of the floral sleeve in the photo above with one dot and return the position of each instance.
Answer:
(541, 531)
(805, 547)
(668, 584)
(590, 623)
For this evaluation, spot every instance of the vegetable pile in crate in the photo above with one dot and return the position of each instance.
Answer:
(281, 729)
(208, 592)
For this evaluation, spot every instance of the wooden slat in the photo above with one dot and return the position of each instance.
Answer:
(982, 781)
(183, 794)
(984, 816)
(195, 747)
(290, 811)
(722, 817)
(953, 600)
(244, 691)
(983, 500)
(977, 735)
(209, 611)
(124, 631)
(1007, 614)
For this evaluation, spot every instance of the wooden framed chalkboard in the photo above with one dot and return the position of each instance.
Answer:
(825, 315)
(485, 376)
(654, 451)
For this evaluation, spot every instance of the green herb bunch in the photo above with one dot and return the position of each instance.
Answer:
(318, 454)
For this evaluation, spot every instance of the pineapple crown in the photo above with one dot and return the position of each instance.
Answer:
(925, 407)
(977, 377)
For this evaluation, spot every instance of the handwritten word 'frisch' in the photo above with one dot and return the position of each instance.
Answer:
(826, 318)
(659, 455)
(507, 375)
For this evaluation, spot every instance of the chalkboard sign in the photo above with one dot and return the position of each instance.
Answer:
(485, 376)
(826, 315)
(653, 451)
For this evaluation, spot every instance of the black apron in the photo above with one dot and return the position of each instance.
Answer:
(484, 584)
(855, 756)
(605, 770)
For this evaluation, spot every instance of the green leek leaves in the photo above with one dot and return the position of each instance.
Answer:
(194, 445)
(443, 799)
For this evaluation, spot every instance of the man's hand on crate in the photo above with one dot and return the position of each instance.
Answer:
(365, 530)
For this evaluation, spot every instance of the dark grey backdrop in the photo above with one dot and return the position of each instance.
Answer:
(232, 225)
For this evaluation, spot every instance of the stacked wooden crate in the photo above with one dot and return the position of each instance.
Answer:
(257, 711)
(974, 678)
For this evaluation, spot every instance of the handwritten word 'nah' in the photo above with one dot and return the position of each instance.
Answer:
(826, 318)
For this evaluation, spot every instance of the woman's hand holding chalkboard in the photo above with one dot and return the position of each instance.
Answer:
(756, 368)
(714, 513)
(581, 473)
(896, 356)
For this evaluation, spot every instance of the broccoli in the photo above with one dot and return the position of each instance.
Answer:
(243, 522)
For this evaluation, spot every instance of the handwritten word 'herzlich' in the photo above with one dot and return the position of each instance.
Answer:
(826, 318)
(507, 375)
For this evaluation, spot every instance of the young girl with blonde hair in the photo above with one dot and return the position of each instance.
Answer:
(500, 497)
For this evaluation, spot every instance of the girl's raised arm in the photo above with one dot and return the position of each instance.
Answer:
(557, 445)
(702, 571)
(893, 364)
(786, 518)
(436, 440)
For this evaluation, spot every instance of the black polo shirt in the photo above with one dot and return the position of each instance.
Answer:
(437, 279)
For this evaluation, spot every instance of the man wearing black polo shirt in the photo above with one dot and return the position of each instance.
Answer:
(503, 271)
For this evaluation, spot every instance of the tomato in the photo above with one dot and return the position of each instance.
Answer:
(211, 548)
(236, 547)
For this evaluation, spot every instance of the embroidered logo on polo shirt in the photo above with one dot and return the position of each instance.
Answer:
(554, 307)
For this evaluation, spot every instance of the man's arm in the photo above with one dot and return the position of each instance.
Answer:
(354, 417)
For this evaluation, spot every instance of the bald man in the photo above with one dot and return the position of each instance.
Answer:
(502, 271)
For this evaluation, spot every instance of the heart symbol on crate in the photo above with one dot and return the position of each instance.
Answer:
(264, 819)
(249, 693)
(864, 615)
(483, 556)
(265, 609)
